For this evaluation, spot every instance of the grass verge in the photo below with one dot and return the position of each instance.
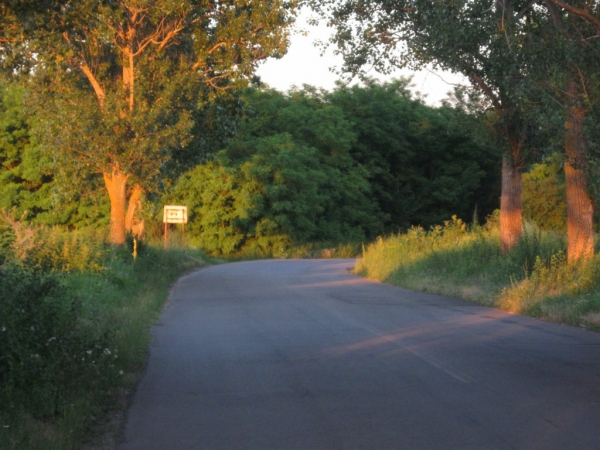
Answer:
(72, 342)
(457, 260)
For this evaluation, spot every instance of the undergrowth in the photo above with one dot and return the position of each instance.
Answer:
(252, 251)
(298, 251)
(465, 261)
(75, 315)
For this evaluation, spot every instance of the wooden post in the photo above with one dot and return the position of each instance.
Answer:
(165, 238)
(175, 214)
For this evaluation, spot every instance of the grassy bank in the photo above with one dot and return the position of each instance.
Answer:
(75, 317)
(457, 260)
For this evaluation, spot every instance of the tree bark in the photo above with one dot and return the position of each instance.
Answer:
(133, 203)
(580, 210)
(511, 207)
(116, 183)
(129, 79)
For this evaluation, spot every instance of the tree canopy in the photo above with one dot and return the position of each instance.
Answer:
(423, 163)
(117, 81)
(341, 166)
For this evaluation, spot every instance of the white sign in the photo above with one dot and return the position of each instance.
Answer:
(175, 214)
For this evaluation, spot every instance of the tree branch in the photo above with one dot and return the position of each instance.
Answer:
(579, 12)
(100, 94)
(199, 63)
(487, 91)
(85, 68)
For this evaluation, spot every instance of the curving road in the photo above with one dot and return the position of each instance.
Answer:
(299, 354)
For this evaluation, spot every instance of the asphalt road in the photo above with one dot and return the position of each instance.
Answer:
(302, 355)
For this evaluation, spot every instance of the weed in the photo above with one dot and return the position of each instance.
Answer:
(452, 259)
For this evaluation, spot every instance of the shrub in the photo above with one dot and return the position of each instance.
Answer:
(44, 346)
(544, 196)
(281, 196)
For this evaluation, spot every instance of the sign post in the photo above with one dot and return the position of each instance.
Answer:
(174, 214)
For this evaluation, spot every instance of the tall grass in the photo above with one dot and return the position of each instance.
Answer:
(463, 261)
(75, 315)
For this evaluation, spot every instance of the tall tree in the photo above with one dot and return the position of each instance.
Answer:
(570, 30)
(478, 39)
(116, 82)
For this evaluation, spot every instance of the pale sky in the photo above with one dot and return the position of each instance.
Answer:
(304, 65)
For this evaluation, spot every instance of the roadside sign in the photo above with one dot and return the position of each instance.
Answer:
(175, 214)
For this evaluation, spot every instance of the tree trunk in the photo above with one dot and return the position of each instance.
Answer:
(133, 203)
(116, 182)
(511, 207)
(580, 210)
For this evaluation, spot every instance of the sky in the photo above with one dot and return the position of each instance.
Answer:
(303, 64)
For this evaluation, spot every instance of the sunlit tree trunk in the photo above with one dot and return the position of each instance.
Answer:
(580, 210)
(511, 207)
(116, 183)
(134, 199)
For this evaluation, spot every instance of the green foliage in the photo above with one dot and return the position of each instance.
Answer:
(313, 166)
(46, 349)
(423, 163)
(214, 125)
(544, 196)
(279, 196)
(28, 186)
(533, 279)
(71, 341)
(480, 39)
(524, 57)
(25, 174)
(51, 248)
(558, 292)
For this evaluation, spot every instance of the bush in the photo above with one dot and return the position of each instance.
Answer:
(544, 196)
(45, 348)
(280, 197)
